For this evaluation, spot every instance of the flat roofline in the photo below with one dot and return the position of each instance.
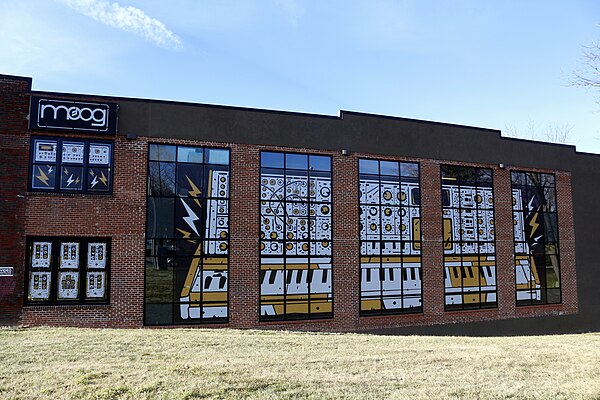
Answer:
(340, 115)
(423, 121)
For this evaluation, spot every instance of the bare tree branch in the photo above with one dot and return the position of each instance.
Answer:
(556, 132)
(589, 74)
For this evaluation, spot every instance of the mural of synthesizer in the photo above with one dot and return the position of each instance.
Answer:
(295, 238)
(468, 238)
(204, 292)
(390, 237)
(536, 238)
(187, 235)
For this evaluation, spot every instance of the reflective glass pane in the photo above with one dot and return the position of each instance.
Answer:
(190, 154)
(190, 180)
(161, 179)
(296, 161)
(271, 160)
(217, 156)
(320, 163)
(409, 170)
(549, 199)
(71, 178)
(158, 314)
(159, 280)
(368, 167)
(160, 217)
(161, 152)
(550, 227)
(389, 168)
(548, 180)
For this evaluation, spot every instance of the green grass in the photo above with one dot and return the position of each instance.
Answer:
(230, 364)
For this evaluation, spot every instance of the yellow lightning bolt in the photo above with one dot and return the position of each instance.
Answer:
(533, 223)
(195, 191)
(184, 233)
(43, 177)
(77, 180)
(103, 178)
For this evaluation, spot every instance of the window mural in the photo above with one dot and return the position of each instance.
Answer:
(187, 235)
(390, 237)
(536, 238)
(71, 165)
(468, 238)
(295, 237)
(67, 270)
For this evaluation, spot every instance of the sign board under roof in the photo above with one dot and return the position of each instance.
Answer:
(72, 116)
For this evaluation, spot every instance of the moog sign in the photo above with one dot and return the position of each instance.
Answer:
(72, 115)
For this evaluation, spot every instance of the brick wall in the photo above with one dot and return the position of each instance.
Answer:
(14, 108)
(122, 216)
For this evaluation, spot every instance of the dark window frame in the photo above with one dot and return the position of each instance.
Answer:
(171, 257)
(381, 270)
(55, 269)
(59, 164)
(543, 179)
(284, 240)
(465, 270)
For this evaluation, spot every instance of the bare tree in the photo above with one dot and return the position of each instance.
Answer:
(556, 132)
(589, 74)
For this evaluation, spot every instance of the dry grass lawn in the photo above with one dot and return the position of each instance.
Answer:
(230, 364)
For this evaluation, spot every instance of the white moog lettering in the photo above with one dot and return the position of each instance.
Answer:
(99, 116)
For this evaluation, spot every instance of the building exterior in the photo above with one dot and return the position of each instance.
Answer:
(124, 212)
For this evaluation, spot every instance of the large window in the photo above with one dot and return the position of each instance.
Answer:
(536, 238)
(295, 237)
(187, 235)
(71, 165)
(468, 238)
(67, 270)
(390, 238)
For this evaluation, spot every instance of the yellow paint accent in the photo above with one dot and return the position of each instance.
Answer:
(416, 228)
(275, 267)
(189, 280)
(194, 266)
(451, 259)
(324, 307)
(43, 177)
(210, 174)
(534, 225)
(470, 298)
(103, 178)
(447, 229)
(367, 305)
(184, 233)
(212, 260)
(271, 267)
(208, 296)
(367, 260)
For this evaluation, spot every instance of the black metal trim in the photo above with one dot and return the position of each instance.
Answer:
(55, 269)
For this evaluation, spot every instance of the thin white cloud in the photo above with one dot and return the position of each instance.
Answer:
(127, 18)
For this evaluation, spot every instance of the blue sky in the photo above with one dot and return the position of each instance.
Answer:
(494, 64)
